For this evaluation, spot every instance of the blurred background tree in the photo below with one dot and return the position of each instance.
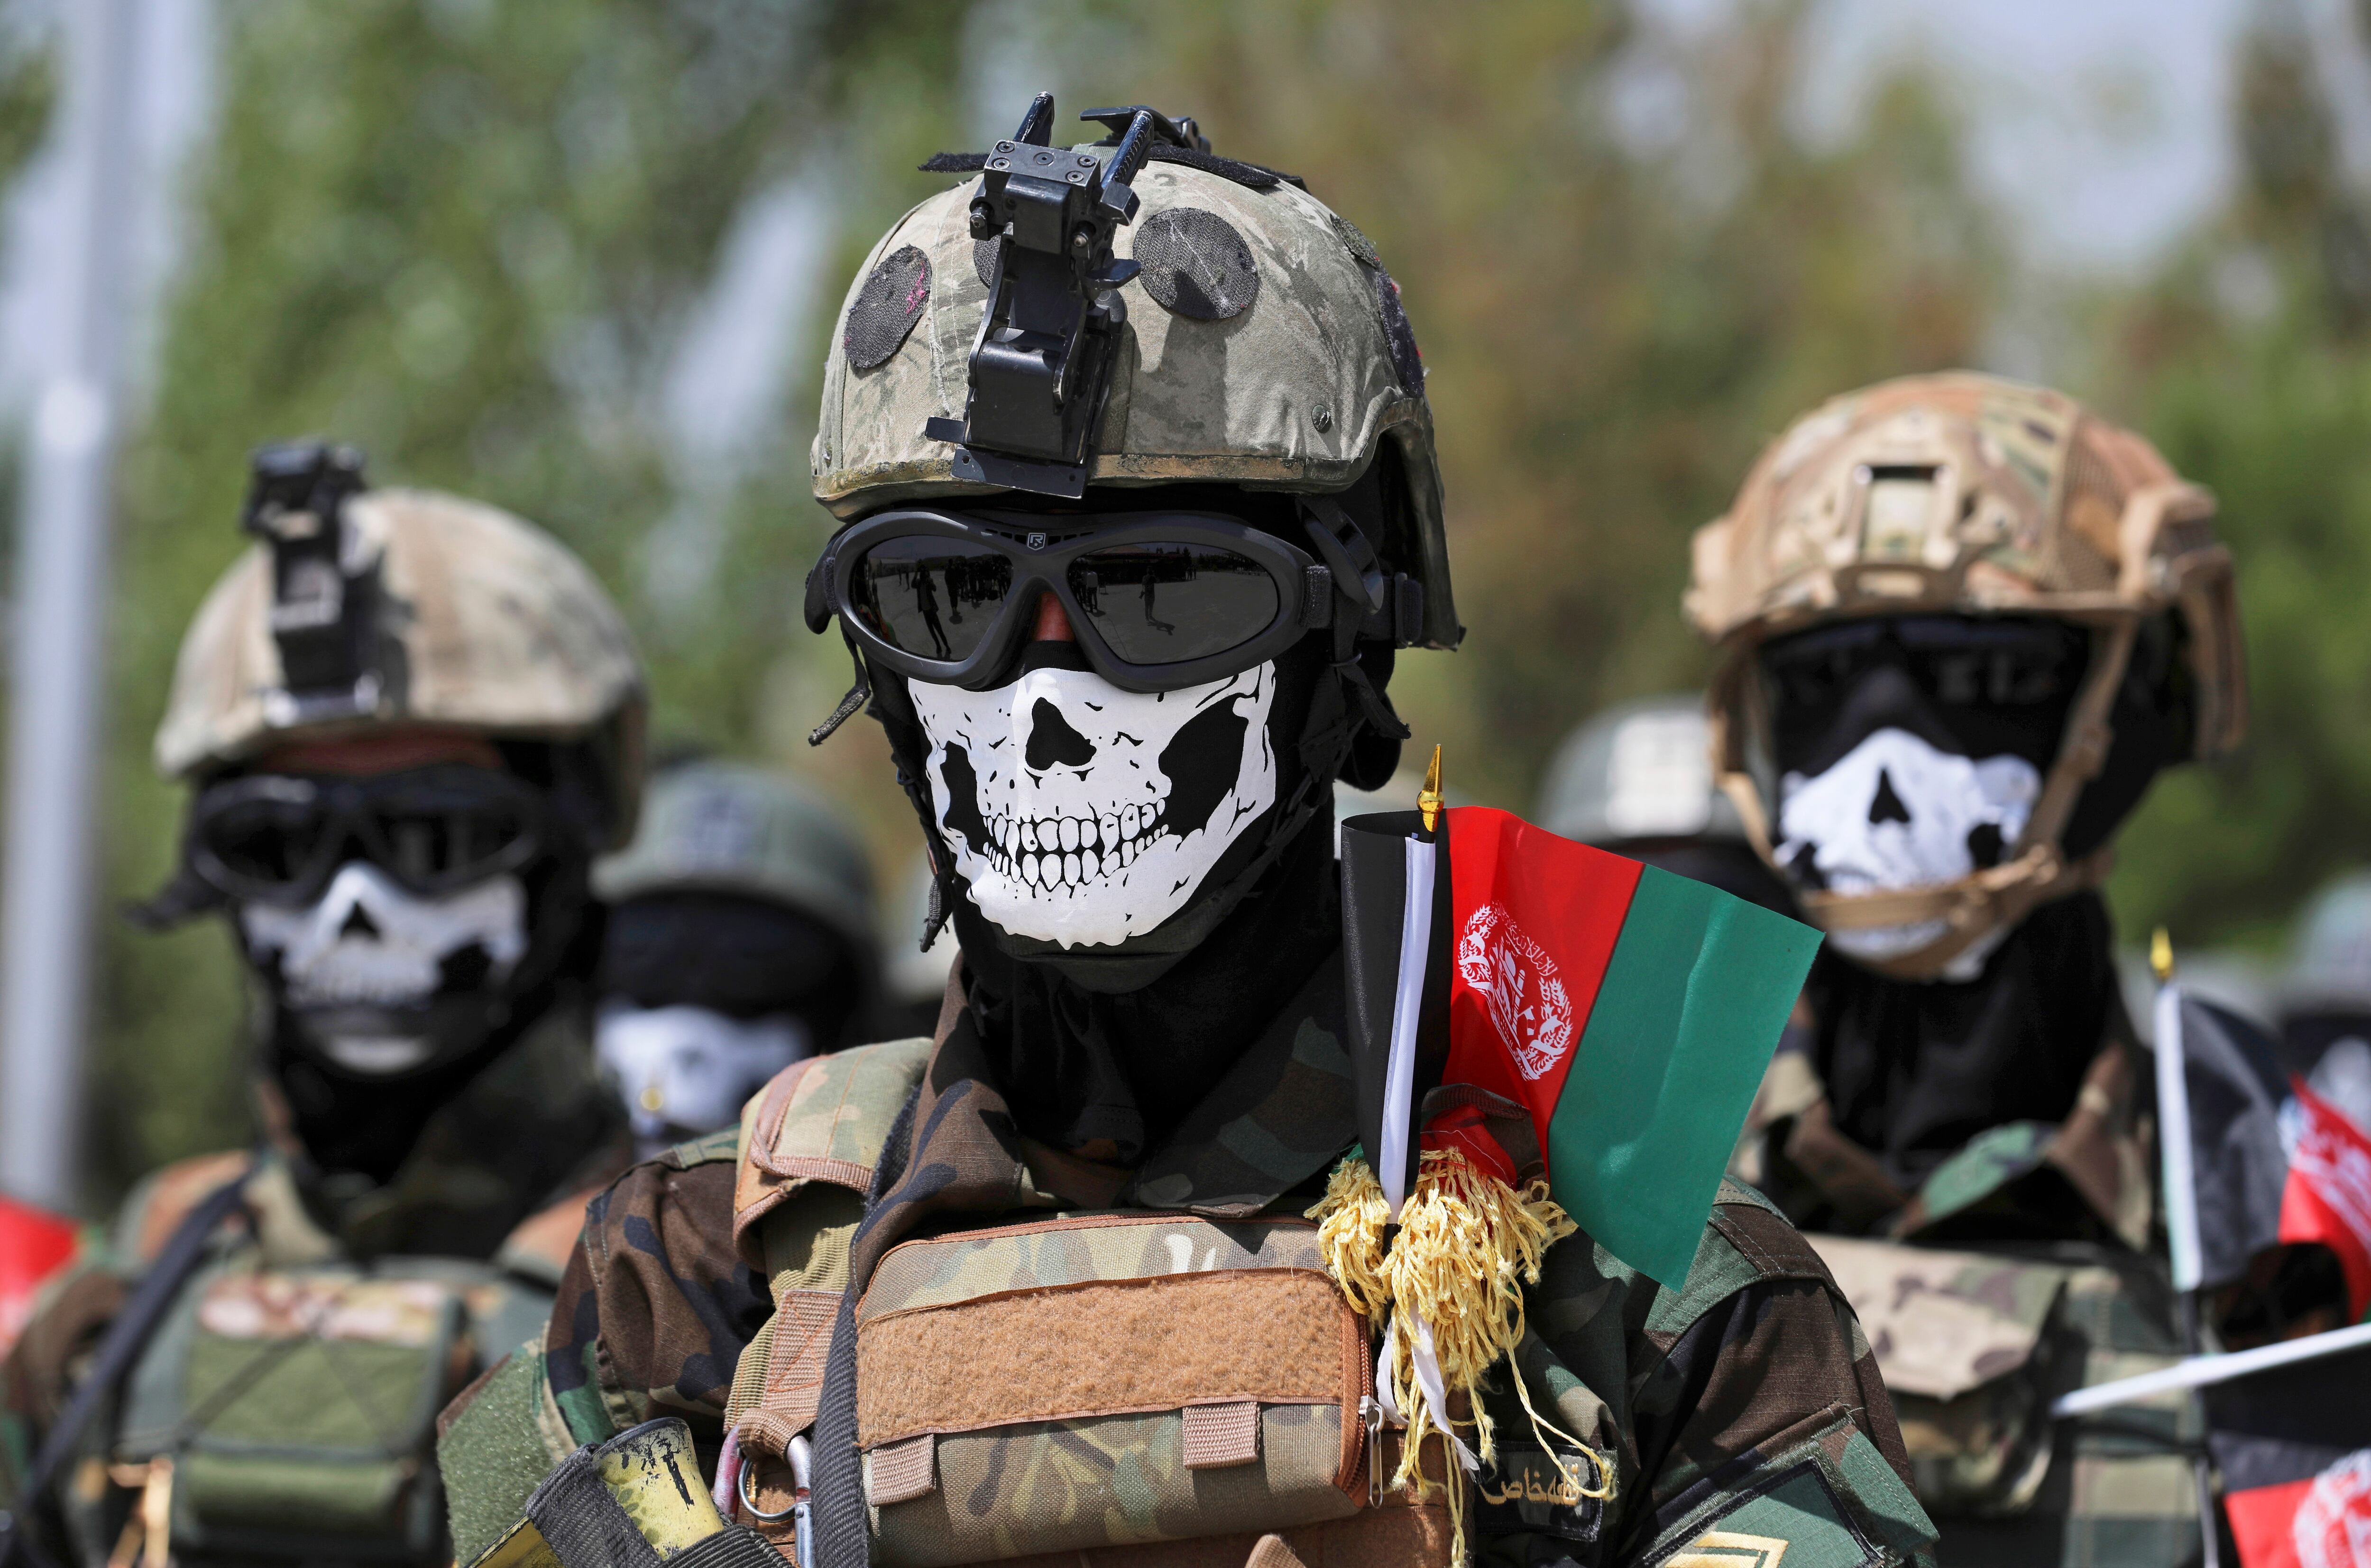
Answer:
(488, 241)
(2248, 361)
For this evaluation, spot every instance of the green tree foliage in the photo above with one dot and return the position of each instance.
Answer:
(2248, 362)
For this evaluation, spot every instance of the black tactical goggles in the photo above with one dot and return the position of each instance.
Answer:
(1961, 661)
(1158, 601)
(278, 838)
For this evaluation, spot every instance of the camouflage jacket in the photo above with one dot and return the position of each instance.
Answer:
(1742, 1410)
(2018, 1271)
(293, 1382)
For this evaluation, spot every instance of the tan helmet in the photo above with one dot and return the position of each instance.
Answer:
(1264, 345)
(1967, 494)
(358, 608)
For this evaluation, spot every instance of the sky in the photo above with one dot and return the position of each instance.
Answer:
(2098, 126)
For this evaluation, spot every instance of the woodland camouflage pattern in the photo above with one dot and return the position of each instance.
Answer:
(1976, 1345)
(1746, 1403)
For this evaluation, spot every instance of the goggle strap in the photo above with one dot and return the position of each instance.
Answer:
(857, 694)
(185, 897)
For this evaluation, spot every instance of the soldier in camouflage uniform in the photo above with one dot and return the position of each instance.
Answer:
(740, 938)
(1964, 623)
(1040, 1284)
(408, 723)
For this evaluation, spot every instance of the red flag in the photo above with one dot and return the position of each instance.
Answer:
(2316, 1521)
(1631, 1011)
(2328, 1198)
(34, 1244)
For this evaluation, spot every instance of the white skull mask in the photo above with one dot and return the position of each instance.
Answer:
(1083, 815)
(1895, 812)
(687, 1068)
(369, 949)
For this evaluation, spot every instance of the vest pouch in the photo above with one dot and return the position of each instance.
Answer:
(299, 1407)
(1104, 1381)
(1963, 1341)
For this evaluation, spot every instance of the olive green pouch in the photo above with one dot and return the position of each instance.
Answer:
(299, 1408)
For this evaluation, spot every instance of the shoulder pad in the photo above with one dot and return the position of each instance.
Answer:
(163, 1199)
(826, 1119)
(1746, 1241)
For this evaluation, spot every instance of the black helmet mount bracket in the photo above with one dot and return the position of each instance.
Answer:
(324, 597)
(1041, 366)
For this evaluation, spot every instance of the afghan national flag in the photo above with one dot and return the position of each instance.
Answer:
(2294, 1446)
(2328, 1198)
(1632, 1010)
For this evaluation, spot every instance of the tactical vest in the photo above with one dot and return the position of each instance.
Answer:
(1126, 1385)
(285, 1407)
(1976, 1345)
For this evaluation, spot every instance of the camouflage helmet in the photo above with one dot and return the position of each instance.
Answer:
(1641, 769)
(1262, 345)
(358, 608)
(712, 827)
(1967, 494)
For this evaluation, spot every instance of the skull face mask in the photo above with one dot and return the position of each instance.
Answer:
(1911, 755)
(370, 971)
(1897, 813)
(1084, 815)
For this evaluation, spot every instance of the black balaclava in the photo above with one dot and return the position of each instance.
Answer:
(1915, 1068)
(1104, 1046)
(357, 1125)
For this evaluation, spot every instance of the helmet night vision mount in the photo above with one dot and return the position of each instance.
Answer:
(1041, 366)
(323, 599)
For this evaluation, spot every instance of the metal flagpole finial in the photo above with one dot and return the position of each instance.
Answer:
(1428, 800)
(2161, 955)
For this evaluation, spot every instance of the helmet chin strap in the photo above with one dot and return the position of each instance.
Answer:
(1973, 907)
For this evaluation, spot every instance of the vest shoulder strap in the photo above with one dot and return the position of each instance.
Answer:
(821, 1121)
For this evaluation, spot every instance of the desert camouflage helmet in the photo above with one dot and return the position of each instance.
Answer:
(358, 608)
(731, 827)
(1262, 345)
(1966, 494)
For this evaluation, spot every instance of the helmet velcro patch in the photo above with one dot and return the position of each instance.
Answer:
(1195, 264)
(886, 308)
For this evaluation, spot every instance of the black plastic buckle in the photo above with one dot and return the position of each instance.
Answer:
(1041, 365)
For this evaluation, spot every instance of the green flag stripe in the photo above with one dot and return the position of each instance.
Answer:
(1693, 1001)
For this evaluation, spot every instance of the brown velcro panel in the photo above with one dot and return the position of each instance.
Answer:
(1218, 1436)
(1109, 1347)
(1397, 1535)
(793, 1386)
(901, 1471)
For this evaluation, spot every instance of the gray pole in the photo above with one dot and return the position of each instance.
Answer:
(61, 607)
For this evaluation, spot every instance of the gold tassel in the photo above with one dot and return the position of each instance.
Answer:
(1467, 1245)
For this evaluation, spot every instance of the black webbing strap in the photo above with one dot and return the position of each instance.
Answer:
(581, 1519)
(734, 1546)
(117, 1350)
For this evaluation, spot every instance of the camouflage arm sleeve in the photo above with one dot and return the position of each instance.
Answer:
(653, 1312)
(656, 1307)
(1767, 1424)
